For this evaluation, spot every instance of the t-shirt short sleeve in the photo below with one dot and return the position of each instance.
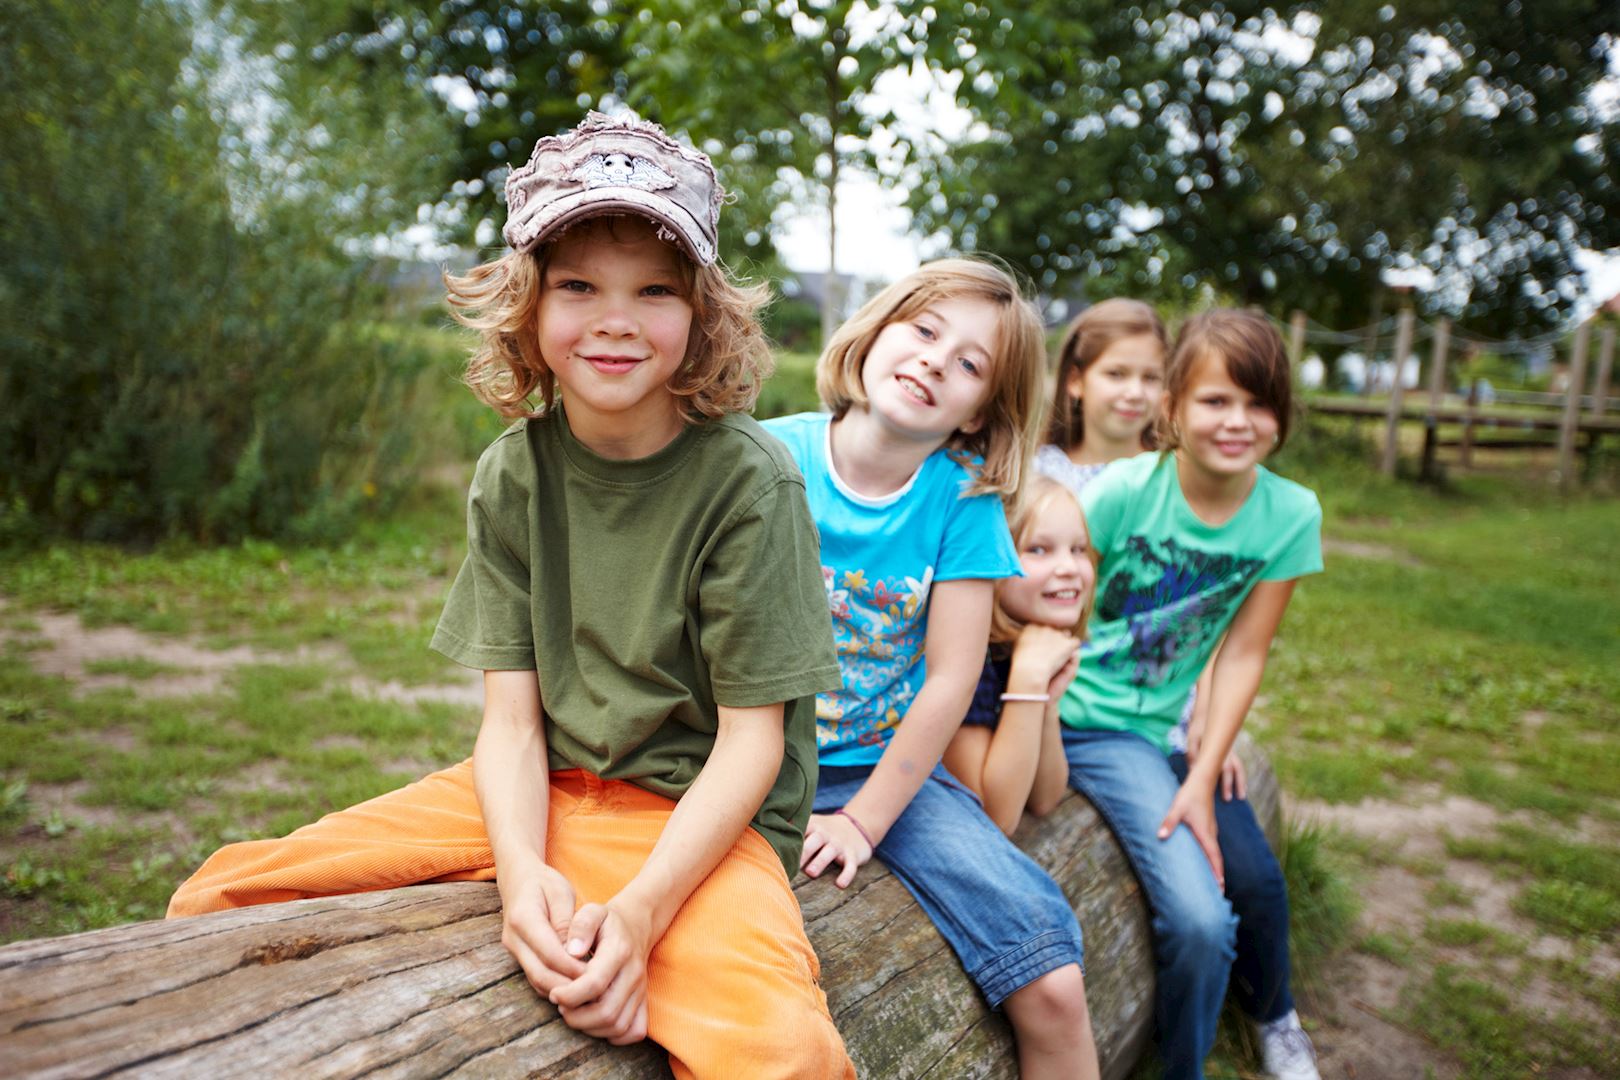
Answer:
(487, 623)
(977, 543)
(1106, 502)
(1303, 555)
(763, 608)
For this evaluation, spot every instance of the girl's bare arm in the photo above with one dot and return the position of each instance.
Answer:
(958, 631)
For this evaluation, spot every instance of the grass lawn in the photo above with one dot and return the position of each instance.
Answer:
(1459, 653)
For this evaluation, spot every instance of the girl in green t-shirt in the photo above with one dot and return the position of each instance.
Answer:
(1195, 544)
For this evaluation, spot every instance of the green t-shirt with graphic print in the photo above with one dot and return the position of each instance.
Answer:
(644, 593)
(1169, 586)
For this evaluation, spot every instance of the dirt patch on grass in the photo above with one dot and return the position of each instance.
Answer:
(1362, 1031)
(63, 645)
(1355, 1035)
(1363, 549)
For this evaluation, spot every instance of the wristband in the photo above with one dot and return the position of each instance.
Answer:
(1026, 697)
(849, 817)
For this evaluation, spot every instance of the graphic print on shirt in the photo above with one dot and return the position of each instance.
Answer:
(1173, 599)
(879, 626)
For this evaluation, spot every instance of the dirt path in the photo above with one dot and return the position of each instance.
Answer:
(72, 650)
(1357, 1001)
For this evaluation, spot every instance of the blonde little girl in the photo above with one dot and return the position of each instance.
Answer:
(1009, 749)
(933, 388)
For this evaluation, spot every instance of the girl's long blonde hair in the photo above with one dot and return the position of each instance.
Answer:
(1041, 490)
(727, 360)
(1011, 431)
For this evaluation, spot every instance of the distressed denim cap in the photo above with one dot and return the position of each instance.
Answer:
(609, 166)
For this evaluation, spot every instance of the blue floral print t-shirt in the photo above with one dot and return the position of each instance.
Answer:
(1170, 584)
(879, 559)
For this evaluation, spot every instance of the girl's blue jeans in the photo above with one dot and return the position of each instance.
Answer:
(1259, 898)
(1131, 783)
(1004, 916)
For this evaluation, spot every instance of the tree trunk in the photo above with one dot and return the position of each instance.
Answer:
(414, 982)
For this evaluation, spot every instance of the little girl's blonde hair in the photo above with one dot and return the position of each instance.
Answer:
(727, 357)
(1011, 430)
(1041, 490)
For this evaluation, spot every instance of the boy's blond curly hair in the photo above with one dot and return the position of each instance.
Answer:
(1012, 411)
(727, 359)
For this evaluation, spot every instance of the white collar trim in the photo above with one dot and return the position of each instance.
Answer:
(875, 502)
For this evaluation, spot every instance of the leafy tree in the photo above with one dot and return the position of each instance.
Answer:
(177, 255)
(507, 73)
(1283, 156)
(779, 90)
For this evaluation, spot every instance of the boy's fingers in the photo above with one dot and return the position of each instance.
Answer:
(582, 930)
(593, 994)
(637, 1029)
(537, 933)
(541, 976)
(610, 1016)
(1168, 825)
(1241, 775)
(560, 906)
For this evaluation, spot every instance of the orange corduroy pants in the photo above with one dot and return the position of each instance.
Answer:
(732, 986)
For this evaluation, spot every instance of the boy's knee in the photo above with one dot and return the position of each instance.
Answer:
(787, 1044)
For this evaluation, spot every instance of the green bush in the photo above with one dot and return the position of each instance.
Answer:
(792, 389)
(186, 349)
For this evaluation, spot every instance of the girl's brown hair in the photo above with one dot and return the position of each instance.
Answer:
(1245, 341)
(1004, 629)
(1088, 337)
(1007, 439)
(727, 356)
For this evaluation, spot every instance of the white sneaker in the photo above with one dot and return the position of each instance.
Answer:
(1286, 1052)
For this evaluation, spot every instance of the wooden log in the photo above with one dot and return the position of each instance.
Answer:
(414, 982)
(1392, 424)
(1572, 406)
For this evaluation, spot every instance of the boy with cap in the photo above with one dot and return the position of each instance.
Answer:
(642, 591)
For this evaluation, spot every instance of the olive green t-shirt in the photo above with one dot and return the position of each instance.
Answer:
(646, 592)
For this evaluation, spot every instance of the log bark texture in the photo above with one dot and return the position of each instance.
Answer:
(414, 982)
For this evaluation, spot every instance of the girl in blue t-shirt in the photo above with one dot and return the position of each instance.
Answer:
(1110, 382)
(933, 389)
(1196, 543)
(1009, 749)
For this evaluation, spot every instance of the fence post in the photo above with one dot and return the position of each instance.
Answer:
(1600, 389)
(1437, 362)
(1465, 447)
(1572, 406)
(1296, 341)
(1392, 425)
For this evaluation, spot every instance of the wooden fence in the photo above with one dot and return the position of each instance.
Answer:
(1579, 413)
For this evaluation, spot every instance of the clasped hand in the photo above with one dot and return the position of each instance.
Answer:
(831, 838)
(590, 963)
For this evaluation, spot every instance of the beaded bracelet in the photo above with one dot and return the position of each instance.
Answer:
(847, 816)
(1026, 697)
